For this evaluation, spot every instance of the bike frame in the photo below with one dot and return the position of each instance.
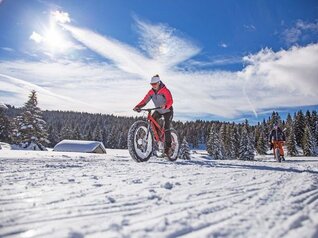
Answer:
(155, 127)
(278, 145)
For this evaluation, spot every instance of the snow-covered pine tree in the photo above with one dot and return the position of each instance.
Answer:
(314, 118)
(308, 119)
(289, 123)
(5, 127)
(77, 134)
(299, 127)
(184, 150)
(246, 149)
(261, 145)
(223, 136)
(97, 134)
(32, 127)
(231, 153)
(308, 142)
(66, 133)
(111, 139)
(122, 140)
(89, 136)
(236, 140)
(214, 145)
(291, 141)
(275, 119)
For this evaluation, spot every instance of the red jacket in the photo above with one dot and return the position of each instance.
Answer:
(159, 98)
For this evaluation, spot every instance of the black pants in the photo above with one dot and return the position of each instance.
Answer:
(168, 118)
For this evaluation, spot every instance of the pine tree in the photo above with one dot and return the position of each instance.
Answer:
(97, 134)
(246, 149)
(289, 124)
(275, 119)
(231, 153)
(77, 134)
(111, 140)
(261, 147)
(308, 142)
(185, 150)
(32, 127)
(314, 127)
(53, 136)
(214, 145)
(89, 136)
(5, 127)
(299, 127)
(223, 136)
(122, 141)
(308, 118)
(291, 141)
(66, 133)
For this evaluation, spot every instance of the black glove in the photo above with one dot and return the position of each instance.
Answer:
(270, 145)
(137, 109)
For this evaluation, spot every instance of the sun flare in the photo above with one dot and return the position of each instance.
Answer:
(54, 39)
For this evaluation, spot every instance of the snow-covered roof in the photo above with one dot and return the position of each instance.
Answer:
(80, 146)
(3, 106)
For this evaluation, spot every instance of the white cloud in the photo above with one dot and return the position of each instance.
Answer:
(15, 91)
(292, 35)
(270, 80)
(123, 56)
(162, 44)
(223, 45)
(250, 27)
(60, 17)
(192, 64)
(53, 41)
(36, 37)
(7, 49)
(92, 87)
(282, 79)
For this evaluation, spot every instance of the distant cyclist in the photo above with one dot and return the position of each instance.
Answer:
(277, 140)
(161, 97)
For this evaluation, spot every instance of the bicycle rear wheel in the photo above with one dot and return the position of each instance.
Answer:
(140, 141)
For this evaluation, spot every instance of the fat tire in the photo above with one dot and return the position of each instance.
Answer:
(131, 141)
(277, 155)
(173, 131)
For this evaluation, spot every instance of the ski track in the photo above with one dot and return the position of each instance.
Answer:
(56, 194)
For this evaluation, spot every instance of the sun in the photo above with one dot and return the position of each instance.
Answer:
(54, 39)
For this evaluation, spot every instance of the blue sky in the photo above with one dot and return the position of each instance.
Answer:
(225, 60)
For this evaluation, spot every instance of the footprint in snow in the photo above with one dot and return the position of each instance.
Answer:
(75, 235)
(111, 200)
(168, 185)
(97, 185)
(137, 181)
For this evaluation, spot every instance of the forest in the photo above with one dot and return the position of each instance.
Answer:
(222, 140)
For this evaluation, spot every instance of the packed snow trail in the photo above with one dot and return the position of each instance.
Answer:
(56, 194)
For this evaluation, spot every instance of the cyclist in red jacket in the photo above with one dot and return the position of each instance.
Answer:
(161, 97)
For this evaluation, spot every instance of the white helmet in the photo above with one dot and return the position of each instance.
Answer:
(155, 79)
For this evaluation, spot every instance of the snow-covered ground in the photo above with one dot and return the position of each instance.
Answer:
(59, 194)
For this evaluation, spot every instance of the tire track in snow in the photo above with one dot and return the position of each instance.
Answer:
(122, 198)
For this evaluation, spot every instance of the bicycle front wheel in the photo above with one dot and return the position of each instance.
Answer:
(175, 146)
(140, 141)
(277, 155)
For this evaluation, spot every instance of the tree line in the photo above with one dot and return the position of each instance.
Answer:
(222, 140)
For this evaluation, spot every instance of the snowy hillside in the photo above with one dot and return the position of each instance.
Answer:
(60, 194)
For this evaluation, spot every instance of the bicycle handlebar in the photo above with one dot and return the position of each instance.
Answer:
(149, 109)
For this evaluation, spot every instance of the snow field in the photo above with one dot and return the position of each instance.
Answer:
(60, 194)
